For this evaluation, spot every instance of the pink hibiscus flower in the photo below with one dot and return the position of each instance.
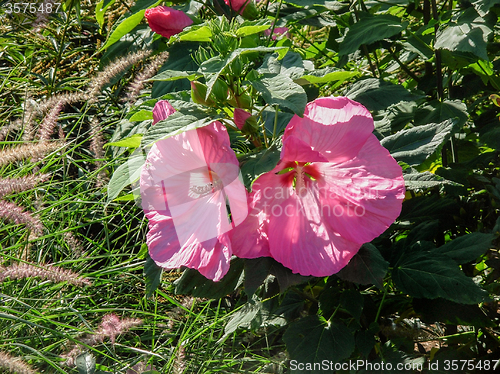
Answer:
(189, 184)
(278, 31)
(167, 21)
(334, 189)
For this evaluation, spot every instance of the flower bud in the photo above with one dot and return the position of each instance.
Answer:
(245, 122)
(220, 90)
(199, 94)
(246, 8)
(167, 21)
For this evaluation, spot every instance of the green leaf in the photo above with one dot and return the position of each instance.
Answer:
(440, 310)
(85, 363)
(352, 301)
(313, 339)
(196, 34)
(413, 146)
(421, 181)
(371, 29)
(175, 124)
(323, 76)
(281, 90)
(254, 165)
(377, 94)
(141, 115)
(125, 175)
(100, 9)
(193, 283)
(467, 248)
(127, 25)
(250, 30)
(366, 267)
(152, 273)
(483, 6)
(469, 34)
(133, 141)
(423, 275)
(436, 112)
(215, 66)
(173, 75)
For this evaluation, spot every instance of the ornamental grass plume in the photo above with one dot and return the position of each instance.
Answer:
(167, 21)
(112, 69)
(46, 272)
(185, 185)
(111, 326)
(14, 213)
(13, 185)
(29, 150)
(334, 189)
(135, 87)
(49, 123)
(14, 364)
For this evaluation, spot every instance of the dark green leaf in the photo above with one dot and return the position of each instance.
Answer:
(437, 112)
(269, 116)
(468, 34)
(483, 6)
(467, 248)
(254, 165)
(413, 146)
(371, 29)
(193, 283)
(352, 301)
(423, 275)
(365, 341)
(366, 267)
(153, 273)
(281, 90)
(313, 339)
(85, 363)
(440, 310)
(420, 181)
(377, 94)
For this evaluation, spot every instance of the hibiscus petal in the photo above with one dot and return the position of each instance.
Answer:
(362, 197)
(295, 149)
(336, 127)
(302, 240)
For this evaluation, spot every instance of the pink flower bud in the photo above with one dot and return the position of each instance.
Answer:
(277, 32)
(162, 110)
(237, 5)
(240, 116)
(167, 21)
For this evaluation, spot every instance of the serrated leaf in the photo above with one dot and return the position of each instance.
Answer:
(469, 34)
(215, 66)
(193, 283)
(250, 30)
(466, 248)
(133, 141)
(152, 273)
(196, 34)
(85, 363)
(371, 29)
(417, 181)
(125, 175)
(257, 164)
(366, 267)
(175, 124)
(376, 94)
(313, 339)
(437, 111)
(173, 75)
(413, 146)
(283, 91)
(423, 275)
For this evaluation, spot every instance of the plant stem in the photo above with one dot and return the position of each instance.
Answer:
(437, 52)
